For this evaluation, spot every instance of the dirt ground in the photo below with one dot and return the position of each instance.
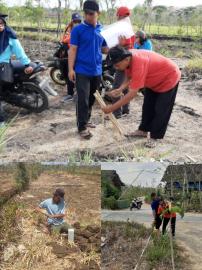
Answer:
(37, 250)
(52, 135)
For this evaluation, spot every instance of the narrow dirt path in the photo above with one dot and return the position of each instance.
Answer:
(188, 230)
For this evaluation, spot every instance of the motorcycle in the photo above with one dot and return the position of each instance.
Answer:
(56, 74)
(136, 203)
(28, 91)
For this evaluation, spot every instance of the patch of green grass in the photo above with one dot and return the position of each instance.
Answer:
(195, 65)
(83, 158)
(172, 30)
(38, 36)
(136, 230)
(159, 251)
(137, 191)
(9, 231)
(3, 133)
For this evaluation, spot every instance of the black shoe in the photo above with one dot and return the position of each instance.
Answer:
(124, 113)
(118, 116)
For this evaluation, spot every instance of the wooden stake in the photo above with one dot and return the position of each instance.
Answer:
(112, 118)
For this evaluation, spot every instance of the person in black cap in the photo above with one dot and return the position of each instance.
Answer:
(159, 76)
(10, 45)
(85, 64)
(55, 212)
(76, 19)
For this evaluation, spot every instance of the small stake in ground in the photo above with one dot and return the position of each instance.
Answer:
(112, 118)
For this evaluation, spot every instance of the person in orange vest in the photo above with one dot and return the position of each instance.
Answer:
(167, 216)
(76, 19)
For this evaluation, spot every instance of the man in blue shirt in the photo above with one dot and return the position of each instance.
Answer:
(55, 212)
(155, 200)
(85, 64)
(142, 42)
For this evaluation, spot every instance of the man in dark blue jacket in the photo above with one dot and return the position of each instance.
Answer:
(85, 64)
(155, 200)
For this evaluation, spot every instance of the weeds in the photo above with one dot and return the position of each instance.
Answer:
(194, 65)
(159, 251)
(22, 177)
(83, 158)
(135, 230)
(9, 231)
(3, 133)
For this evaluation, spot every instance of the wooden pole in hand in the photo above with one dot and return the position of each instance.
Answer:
(112, 118)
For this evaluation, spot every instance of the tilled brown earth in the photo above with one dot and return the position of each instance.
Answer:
(35, 249)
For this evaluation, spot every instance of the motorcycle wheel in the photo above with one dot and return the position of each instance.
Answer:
(56, 76)
(107, 84)
(29, 96)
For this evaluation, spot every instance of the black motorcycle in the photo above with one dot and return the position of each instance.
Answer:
(56, 72)
(136, 203)
(28, 91)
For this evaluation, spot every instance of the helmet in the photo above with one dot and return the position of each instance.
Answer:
(76, 17)
(123, 11)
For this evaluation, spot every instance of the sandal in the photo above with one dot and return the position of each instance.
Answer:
(85, 134)
(90, 125)
(151, 143)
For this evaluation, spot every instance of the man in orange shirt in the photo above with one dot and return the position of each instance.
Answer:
(159, 75)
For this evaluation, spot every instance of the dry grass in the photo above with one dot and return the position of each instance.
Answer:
(37, 248)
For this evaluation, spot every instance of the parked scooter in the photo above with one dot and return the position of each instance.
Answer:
(136, 203)
(28, 91)
(56, 74)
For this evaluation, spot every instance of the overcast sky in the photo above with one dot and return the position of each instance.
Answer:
(147, 174)
(129, 3)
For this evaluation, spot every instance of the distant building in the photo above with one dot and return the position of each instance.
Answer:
(185, 176)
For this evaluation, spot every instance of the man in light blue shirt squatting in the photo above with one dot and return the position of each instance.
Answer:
(142, 42)
(55, 208)
(9, 46)
(85, 64)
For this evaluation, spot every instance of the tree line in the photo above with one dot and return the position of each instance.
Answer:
(38, 13)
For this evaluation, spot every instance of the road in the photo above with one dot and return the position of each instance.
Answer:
(188, 230)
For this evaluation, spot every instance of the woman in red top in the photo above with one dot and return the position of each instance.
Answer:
(159, 76)
(163, 209)
(122, 13)
(76, 19)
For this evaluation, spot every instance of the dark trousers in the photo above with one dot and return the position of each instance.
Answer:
(156, 111)
(2, 118)
(119, 79)
(65, 70)
(86, 87)
(165, 223)
(158, 222)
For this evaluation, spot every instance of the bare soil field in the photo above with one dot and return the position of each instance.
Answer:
(52, 135)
